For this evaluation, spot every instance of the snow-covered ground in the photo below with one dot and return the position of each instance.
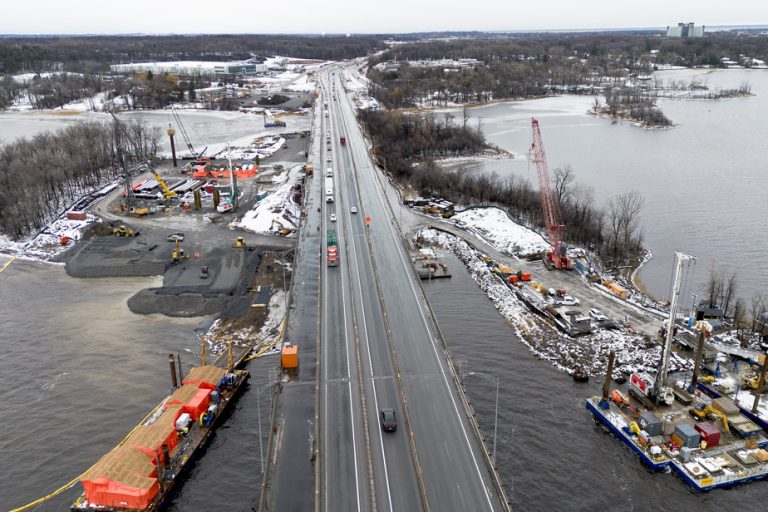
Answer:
(302, 84)
(47, 244)
(497, 229)
(633, 352)
(276, 211)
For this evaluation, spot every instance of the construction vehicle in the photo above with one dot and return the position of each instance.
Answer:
(707, 411)
(309, 168)
(167, 192)
(556, 256)
(271, 121)
(281, 229)
(140, 211)
(122, 231)
(239, 243)
(178, 254)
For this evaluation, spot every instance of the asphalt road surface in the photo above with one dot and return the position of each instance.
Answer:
(380, 349)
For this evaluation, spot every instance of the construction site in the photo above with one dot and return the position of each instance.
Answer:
(178, 220)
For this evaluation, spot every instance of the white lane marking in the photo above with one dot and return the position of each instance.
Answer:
(429, 332)
(349, 379)
(370, 362)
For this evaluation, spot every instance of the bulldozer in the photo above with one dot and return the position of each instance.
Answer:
(121, 230)
(178, 254)
(239, 243)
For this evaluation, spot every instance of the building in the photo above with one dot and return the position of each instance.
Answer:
(685, 30)
(201, 68)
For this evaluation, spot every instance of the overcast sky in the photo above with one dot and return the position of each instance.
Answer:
(362, 16)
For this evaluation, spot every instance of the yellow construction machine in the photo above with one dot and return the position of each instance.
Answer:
(178, 254)
(167, 192)
(124, 231)
(704, 413)
(239, 243)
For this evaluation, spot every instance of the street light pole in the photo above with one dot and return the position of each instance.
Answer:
(496, 415)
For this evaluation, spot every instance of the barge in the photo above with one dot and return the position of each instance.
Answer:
(141, 471)
(708, 441)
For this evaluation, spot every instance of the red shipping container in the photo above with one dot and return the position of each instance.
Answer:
(76, 215)
(512, 278)
(525, 277)
(709, 433)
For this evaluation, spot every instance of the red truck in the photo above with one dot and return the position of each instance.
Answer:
(333, 256)
(343, 140)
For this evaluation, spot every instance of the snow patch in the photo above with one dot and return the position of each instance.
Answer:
(496, 228)
(276, 211)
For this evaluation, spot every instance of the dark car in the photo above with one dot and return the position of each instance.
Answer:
(388, 420)
(204, 272)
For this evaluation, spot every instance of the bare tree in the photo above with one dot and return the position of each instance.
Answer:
(730, 291)
(564, 178)
(756, 310)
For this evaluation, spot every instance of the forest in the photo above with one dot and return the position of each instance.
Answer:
(41, 176)
(533, 65)
(94, 54)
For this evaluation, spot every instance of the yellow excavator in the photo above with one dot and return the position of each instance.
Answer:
(239, 243)
(282, 230)
(178, 254)
(708, 410)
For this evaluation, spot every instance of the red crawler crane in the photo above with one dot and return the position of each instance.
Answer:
(556, 257)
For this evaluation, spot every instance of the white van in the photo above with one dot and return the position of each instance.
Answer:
(329, 173)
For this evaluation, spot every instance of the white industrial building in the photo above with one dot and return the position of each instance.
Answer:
(202, 68)
(686, 30)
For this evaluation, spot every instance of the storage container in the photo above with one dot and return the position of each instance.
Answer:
(709, 433)
(650, 423)
(688, 435)
(183, 421)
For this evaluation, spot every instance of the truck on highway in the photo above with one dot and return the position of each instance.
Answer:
(328, 190)
(342, 140)
(331, 243)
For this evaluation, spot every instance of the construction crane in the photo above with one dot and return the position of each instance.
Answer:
(167, 192)
(194, 154)
(130, 198)
(556, 256)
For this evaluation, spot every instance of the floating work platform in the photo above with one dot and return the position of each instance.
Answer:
(706, 453)
(143, 469)
(431, 268)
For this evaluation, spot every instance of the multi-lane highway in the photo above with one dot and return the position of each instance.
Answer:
(379, 348)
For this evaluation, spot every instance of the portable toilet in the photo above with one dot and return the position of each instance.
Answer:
(289, 358)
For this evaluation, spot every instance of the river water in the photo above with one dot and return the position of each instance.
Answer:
(551, 454)
(81, 370)
(704, 181)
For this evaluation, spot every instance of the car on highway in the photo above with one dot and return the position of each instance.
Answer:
(353, 209)
(328, 159)
(333, 217)
(388, 420)
(567, 301)
(597, 315)
(176, 236)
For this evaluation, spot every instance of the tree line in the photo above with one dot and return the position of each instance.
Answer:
(94, 54)
(407, 144)
(747, 316)
(41, 176)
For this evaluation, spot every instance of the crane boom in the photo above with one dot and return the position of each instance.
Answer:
(557, 256)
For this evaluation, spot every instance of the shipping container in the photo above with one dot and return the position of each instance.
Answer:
(512, 278)
(76, 215)
(650, 423)
(687, 435)
(709, 433)
(526, 276)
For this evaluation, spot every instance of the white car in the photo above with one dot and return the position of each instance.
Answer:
(597, 315)
(567, 301)
(328, 159)
(353, 209)
(333, 217)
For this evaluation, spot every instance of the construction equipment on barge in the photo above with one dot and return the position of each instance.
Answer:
(141, 471)
(708, 442)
